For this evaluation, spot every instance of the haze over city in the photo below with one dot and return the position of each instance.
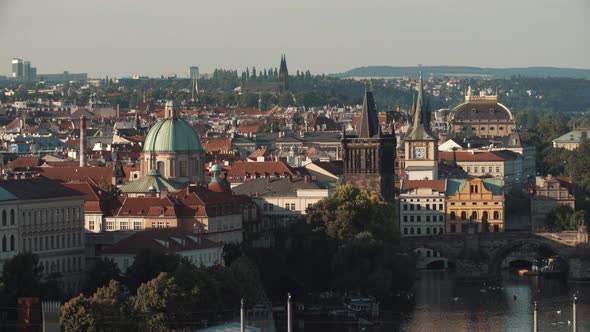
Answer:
(148, 37)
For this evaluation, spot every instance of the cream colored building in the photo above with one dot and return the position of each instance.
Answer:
(571, 140)
(196, 248)
(47, 219)
(422, 207)
(280, 201)
(502, 165)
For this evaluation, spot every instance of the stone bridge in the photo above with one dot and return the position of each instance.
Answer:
(479, 255)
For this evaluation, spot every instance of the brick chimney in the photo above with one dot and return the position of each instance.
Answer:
(82, 141)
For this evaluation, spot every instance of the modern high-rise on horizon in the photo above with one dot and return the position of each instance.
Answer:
(17, 68)
(22, 70)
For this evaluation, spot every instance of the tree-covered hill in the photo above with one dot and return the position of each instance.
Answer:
(465, 71)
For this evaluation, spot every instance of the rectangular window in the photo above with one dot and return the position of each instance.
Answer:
(411, 207)
(265, 207)
(405, 218)
(124, 225)
(497, 169)
(427, 206)
(440, 207)
(405, 207)
(412, 218)
(490, 169)
(91, 225)
(137, 225)
(183, 168)
(125, 264)
(292, 206)
(110, 225)
(468, 169)
(427, 218)
(475, 169)
(418, 207)
(418, 218)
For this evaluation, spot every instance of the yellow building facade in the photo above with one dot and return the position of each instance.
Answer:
(474, 202)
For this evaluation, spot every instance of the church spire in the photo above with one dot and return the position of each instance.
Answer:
(369, 124)
(421, 127)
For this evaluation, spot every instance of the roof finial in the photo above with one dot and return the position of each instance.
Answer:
(420, 70)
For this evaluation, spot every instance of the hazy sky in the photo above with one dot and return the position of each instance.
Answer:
(153, 37)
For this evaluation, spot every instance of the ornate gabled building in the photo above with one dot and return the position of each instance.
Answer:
(420, 144)
(369, 157)
(173, 147)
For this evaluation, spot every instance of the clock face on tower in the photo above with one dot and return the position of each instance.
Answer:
(420, 152)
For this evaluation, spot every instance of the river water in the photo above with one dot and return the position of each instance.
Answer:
(445, 304)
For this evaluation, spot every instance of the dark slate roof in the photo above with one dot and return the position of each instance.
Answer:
(275, 187)
(38, 188)
(420, 130)
(481, 110)
(335, 167)
(369, 122)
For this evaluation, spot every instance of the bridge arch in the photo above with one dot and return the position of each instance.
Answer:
(498, 255)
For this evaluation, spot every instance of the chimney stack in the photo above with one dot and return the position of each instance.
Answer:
(82, 141)
(118, 112)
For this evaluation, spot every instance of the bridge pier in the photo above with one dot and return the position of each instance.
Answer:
(579, 268)
(472, 269)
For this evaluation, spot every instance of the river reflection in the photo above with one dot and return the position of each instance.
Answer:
(443, 304)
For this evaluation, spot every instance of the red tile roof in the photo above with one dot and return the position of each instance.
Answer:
(145, 207)
(95, 201)
(24, 163)
(164, 240)
(438, 185)
(217, 144)
(78, 174)
(478, 156)
(253, 169)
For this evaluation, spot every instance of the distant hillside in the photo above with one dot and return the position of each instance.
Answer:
(460, 71)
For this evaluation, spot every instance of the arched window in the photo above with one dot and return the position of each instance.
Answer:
(496, 215)
(440, 230)
(3, 217)
(411, 230)
(12, 221)
(463, 215)
(427, 253)
(12, 244)
(428, 230)
(484, 215)
(473, 215)
(453, 215)
(419, 230)
(161, 168)
(405, 231)
(4, 243)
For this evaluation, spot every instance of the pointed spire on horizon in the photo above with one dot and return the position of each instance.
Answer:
(420, 129)
(369, 122)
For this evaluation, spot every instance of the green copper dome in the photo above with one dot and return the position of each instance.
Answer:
(172, 135)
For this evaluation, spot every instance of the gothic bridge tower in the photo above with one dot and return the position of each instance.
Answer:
(369, 157)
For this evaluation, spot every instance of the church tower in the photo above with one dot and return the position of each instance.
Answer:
(284, 73)
(421, 145)
(369, 157)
